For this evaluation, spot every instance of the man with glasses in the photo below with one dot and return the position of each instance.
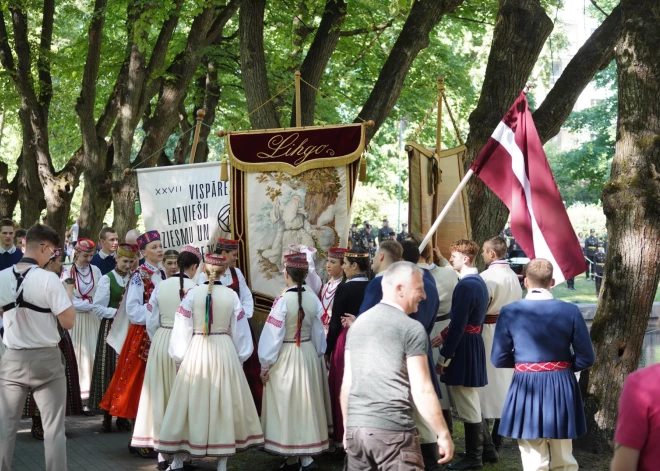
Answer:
(33, 301)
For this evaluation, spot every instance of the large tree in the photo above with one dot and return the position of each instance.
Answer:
(631, 201)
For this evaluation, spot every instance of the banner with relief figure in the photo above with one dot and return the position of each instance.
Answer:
(290, 187)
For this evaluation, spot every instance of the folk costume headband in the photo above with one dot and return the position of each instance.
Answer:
(356, 255)
(147, 237)
(215, 260)
(296, 260)
(337, 253)
(85, 246)
(171, 256)
(228, 245)
(127, 250)
(57, 253)
(193, 250)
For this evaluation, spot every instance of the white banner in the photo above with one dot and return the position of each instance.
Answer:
(187, 204)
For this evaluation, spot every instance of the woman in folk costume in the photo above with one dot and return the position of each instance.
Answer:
(312, 280)
(233, 278)
(346, 306)
(295, 412)
(108, 296)
(210, 411)
(161, 369)
(170, 265)
(74, 404)
(129, 334)
(335, 277)
(85, 332)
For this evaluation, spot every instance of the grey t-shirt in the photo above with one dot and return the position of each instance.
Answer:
(380, 341)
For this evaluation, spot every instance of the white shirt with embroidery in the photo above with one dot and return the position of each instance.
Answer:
(86, 280)
(182, 331)
(136, 310)
(274, 331)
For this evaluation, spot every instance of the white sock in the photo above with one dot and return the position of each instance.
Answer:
(222, 464)
(306, 460)
(162, 457)
(177, 462)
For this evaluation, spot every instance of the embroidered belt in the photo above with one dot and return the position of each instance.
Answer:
(543, 366)
(293, 341)
(164, 327)
(211, 333)
(442, 318)
(491, 318)
(472, 329)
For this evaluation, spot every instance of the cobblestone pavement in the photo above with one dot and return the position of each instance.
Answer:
(88, 449)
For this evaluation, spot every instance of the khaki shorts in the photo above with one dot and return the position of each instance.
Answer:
(382, 450)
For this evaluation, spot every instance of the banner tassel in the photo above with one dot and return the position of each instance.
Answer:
(138, 206)
(363, 169)
(224, 174)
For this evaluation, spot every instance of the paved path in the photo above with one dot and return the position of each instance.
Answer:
(90, 450)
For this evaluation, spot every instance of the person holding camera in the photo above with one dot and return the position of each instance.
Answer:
(33, 301)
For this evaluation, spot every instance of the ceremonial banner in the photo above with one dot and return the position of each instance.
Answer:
(187, 204)
(290, 186)
(428, 194)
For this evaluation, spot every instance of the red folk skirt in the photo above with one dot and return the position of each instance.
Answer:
(335, 377)
(123, 395)
(252, 370)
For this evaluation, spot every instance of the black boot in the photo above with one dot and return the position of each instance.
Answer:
(37, 429)
(106, 426)
(446, 413)
(431, 456)
(490, 452)
(474, 448)
(497, 438)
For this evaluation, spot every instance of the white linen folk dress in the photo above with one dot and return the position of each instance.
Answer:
(161, 368)
(295, 413)
(85, 331)
(210, 411)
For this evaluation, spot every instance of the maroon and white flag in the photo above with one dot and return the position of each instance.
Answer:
(515, 168)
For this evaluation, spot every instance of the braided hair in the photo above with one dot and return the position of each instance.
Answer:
(212, 273)
(185, 260)
(298, 275)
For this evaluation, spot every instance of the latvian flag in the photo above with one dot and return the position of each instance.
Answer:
(515, 168)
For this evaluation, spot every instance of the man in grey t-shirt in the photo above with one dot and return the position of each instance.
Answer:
(386, 371)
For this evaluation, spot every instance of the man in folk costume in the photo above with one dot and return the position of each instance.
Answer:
(109, 294)
(233, 278)
(546, 341)
(296, 415)
(462, 356)
(129, 334)
(335, 277)
(503, 288)
(210, 415)
(86, 330)
(161, 369)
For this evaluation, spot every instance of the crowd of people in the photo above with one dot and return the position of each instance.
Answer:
(370, 364)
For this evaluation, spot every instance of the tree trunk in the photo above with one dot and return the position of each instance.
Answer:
(521, 29)
(631, 202)
(30, 191)
(423, 17)
(97, 196)
(211, 99)
(8, 189)
(253, 65)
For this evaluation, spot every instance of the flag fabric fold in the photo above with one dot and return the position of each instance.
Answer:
(514, 166)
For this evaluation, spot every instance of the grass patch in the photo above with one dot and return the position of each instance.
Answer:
(585, 292)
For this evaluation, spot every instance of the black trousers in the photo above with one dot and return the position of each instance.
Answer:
(570, 282)
(599, 281)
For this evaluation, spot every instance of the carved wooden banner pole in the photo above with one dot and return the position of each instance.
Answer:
(298, 104)
(200, 117)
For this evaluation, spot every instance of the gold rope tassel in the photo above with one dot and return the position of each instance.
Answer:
(363, 169)
(224, 174)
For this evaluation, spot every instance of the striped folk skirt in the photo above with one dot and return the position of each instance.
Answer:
(105, 363)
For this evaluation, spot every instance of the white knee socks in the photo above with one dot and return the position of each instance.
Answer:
(306, 460)
(177, 462)
(222, 464)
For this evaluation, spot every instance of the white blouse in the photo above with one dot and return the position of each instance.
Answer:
(182, 332)
(102, 296)
(136, 310)
(274, 332)
(84, 285)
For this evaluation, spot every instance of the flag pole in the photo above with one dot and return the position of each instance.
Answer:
(445, 210)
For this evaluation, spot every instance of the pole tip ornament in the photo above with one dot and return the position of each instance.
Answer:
(370, 123)
(221, 133)
(128, 171)
(201, 113)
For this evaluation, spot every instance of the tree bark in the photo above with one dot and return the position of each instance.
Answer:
(324, 44)
(593, 56)
(8, 189)
(521, 29)
(253, 65)
(423, 17)
(211, 99)
(631, 202)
